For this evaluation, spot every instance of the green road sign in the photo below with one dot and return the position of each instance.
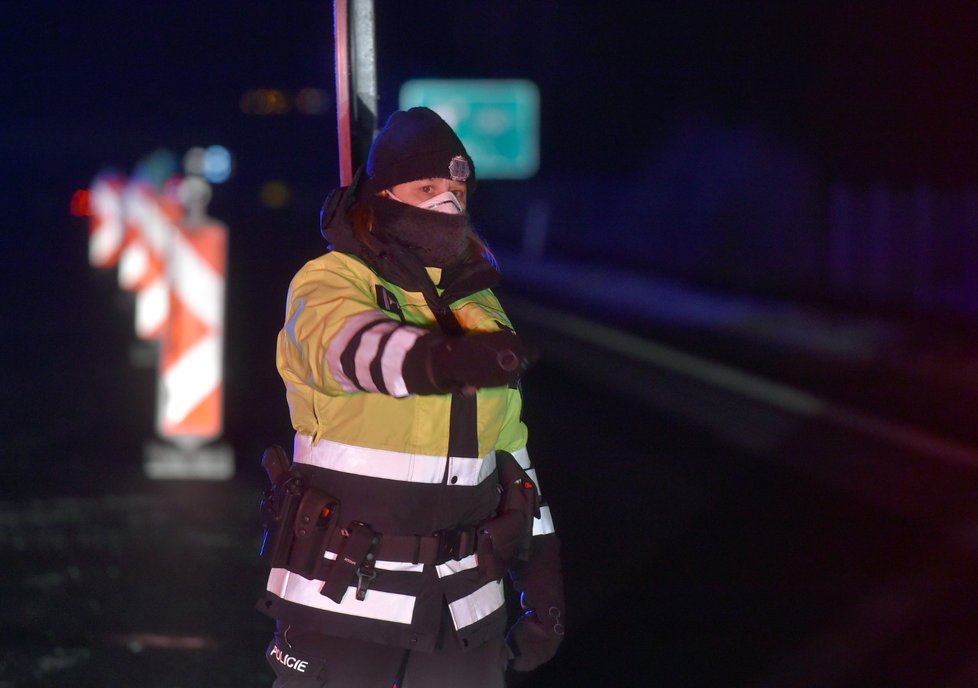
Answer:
(498, 120)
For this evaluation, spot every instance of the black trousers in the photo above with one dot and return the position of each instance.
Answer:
(306, 659)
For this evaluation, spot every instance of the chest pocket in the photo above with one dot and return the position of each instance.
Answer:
(388, 302)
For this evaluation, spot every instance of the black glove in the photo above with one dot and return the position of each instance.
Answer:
(437, 364)
(537, 634)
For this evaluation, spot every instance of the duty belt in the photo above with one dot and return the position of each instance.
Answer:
(437, 548)
(358, 548)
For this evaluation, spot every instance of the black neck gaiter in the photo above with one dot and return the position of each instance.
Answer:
(440, 240)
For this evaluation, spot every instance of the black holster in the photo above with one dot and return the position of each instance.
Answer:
(279, 505)
(298, 520)
(505, 538)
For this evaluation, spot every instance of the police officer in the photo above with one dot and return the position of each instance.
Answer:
(401, 371)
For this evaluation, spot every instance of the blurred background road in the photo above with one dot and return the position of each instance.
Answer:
(748, 259)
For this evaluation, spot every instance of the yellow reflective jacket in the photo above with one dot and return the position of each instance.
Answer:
(403, 463)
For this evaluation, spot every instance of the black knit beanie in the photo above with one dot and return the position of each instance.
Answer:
(416, 144)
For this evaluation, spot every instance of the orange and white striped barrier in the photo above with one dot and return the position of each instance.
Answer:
(191, 356)
(149, 228)
(106, 225)
(174, 258)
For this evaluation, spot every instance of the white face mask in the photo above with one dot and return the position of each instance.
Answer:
(445, 202)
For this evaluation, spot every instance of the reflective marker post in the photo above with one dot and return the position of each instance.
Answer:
(190, 379)
(173, 257)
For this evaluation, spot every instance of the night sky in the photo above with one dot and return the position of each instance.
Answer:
(870, 91)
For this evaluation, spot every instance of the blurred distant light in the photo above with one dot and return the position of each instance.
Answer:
(81, 203)
(217, 164)
(156, 168)
(265, 101)
(275, 194)
(193, 161)
(194, 191)
(311, 101)
(137, 642)
(272, 101)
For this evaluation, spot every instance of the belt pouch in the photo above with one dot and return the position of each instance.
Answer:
(358, 540)
(311, 529)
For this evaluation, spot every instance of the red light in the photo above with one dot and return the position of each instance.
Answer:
(81, 205)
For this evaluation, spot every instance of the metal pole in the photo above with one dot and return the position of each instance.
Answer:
(363, 86)
(356, 83)
(342, 50)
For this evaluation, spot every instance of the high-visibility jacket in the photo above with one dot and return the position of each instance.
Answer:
(396, 461)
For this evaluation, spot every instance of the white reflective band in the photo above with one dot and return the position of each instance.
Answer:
(522, 457)
(152, 308)
(367, 352)
(392, 362)
(383, 606)
(399, 566)
(337, 346)
(391, 358)
(392, 465)
(385, 565)
(454, 566)
(545, 524)
(133, 263)
(105, 240)
(199, 286)
(480, 604)
(470, 471)
(191, 379)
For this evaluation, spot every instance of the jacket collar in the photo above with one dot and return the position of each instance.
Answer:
(398, 265)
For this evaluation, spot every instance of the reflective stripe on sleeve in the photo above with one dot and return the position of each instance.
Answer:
(392, 465)
(392, 359)
(365, 340)
(467, 610)
(367, 351)
(383, 606)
